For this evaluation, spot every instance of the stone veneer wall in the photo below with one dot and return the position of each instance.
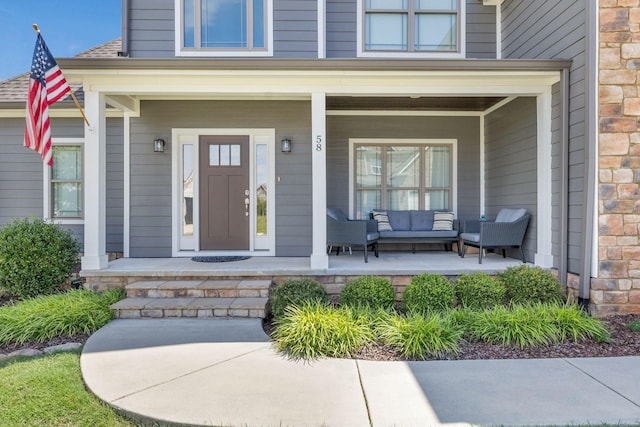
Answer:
(617, 287)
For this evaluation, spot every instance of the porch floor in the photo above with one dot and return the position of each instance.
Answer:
(389, 263)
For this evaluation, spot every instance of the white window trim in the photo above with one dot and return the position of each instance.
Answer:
(179, 38)
(402, 141)
(362, 53)
(46, 184)
(267, 246)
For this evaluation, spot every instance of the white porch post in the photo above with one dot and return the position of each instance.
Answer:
(543, 257)
(319, 258)
(95, 257)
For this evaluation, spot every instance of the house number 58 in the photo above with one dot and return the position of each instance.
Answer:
(319, 143)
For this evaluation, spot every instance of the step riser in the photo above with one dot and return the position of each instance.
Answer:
(188, 313)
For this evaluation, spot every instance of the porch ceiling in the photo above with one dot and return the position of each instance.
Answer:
(412, 104)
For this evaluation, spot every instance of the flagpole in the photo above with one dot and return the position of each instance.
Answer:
(73, 96)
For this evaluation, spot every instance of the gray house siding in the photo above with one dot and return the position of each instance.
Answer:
(465, 129)
(21, 182)
(150, 234)
(556, 29)
(511, 164)
(481, 30)
(151, 30)
(341, 31)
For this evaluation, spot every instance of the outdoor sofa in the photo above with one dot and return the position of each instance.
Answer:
(416, 226)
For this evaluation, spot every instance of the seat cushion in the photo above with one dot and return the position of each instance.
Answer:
(400, 220)
(443, 221)
(372, 236)
(510, 215)
(470, 237)
(421, 220)
(383, 220)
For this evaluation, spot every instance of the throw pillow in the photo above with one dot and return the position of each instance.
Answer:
(443, 221)
(383, 221)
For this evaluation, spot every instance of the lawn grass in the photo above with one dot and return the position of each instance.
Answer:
(48, 391)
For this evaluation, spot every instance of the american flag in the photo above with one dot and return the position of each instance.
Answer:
(46, 86)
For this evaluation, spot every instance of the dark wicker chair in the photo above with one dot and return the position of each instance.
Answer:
(507, 231)
(343, 232)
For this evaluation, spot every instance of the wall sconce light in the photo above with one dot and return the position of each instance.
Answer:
(158, 145)
(285, 145)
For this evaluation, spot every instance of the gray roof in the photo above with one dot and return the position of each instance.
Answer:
(14, 89)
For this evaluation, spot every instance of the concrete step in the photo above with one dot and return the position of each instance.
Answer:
(136, 308)
(199, 289)
(194, 298)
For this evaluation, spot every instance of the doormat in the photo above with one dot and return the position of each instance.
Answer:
(218, 258)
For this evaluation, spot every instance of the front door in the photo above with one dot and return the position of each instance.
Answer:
(224, 192)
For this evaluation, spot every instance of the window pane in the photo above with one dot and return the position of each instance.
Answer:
(189, 23)
(436, 32)
(67, 199)
(235, 155)
(258, 23)
(187, 190)
(403, 166)
(214, 155)
(262, 163)
(403, 199)
(368, 166)
(67, 163)
(388, 4)
(436, 4)
(224, 155)
(366, 201)
(224, 23)
(386, 31)
(437, 199)
(437, 163)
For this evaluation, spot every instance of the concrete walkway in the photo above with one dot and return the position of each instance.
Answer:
(224, 372)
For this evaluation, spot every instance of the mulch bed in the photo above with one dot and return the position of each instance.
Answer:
(624, 343)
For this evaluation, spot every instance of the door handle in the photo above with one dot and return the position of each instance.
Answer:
(246, 206)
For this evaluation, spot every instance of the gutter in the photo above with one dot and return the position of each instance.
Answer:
(472, 65)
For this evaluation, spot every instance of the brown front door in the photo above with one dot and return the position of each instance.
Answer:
(224, 188)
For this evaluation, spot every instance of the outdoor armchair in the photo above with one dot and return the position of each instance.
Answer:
(507, 231)
(341, 231)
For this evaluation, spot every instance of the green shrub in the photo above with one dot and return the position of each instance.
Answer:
(526, 285)
(36, 257)
(429, 292)
(419, 336)
(296, 292)
(634, 326)
(66, 314)
(573, 323)
(478, 291)
(515, 325)
(315, 329)
(368, 291)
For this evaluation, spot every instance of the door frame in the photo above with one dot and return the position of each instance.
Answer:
(187, 246)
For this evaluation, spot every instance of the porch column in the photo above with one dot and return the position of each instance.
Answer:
(543, 257)
(319, 258)
(95, 257)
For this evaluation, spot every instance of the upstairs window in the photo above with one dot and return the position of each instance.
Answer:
(225, 26)
(411, 26)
